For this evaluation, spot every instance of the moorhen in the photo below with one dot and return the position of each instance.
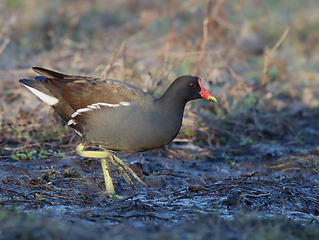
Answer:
(116, 116)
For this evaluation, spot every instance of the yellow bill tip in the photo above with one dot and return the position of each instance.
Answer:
(211, 98)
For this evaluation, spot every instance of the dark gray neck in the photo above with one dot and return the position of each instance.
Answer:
(171, 103)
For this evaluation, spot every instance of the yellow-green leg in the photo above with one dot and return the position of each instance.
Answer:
(107, 178)
(109, 188)
(90, 154)
(118, 163)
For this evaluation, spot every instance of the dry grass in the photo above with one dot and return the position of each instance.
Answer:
(150, 44)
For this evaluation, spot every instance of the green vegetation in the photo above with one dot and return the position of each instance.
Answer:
(29, 155)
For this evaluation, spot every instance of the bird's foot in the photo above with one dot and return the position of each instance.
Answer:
(124, 170)
(121, 166)
(110, 195)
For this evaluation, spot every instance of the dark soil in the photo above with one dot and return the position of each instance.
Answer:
(187, 183)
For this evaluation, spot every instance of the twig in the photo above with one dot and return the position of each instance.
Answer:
(23, 147)
(141, 54)
(251, 175)
(15, 192)
(149, 215)
(168, 44)
(109, 67)
(240, 82)
(263, 83)
(172, 10)
(216, 9)
(266, 60)
(62, 197)
(123, 47)
(70, 26)
(14, 200)
(257, 196)
(4, 44)
(163, 73)
(204, 39)
(283, 36)
(264, 76)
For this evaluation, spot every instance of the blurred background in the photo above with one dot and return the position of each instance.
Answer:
(150, 43)
(259, 58)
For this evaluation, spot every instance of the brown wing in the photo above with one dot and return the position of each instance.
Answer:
(80, 92)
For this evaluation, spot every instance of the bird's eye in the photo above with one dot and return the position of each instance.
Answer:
(192, 85)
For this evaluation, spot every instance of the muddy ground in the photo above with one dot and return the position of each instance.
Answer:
(187, 183)
(243, 168)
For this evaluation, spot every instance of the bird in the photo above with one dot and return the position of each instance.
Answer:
(116, 116)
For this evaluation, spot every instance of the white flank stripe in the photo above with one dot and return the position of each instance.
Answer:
(125, 104)
(44, 97)
(97, 106)
(80, 134)
(71, 122)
